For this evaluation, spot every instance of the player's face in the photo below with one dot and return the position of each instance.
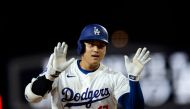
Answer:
(94, 52)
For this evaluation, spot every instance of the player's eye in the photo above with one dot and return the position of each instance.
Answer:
(100, 45)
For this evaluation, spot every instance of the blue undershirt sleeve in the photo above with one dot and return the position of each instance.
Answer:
(134, 99)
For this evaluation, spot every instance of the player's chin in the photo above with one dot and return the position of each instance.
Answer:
(95, 60)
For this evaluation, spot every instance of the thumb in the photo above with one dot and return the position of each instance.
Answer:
(69, 62)
(127, 61)
(50, 61)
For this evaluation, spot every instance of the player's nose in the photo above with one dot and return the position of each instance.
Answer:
(95, 48)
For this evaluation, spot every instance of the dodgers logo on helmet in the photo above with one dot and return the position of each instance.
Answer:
(96, 31)
(92, 32)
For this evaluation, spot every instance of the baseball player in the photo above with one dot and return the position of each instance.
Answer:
(86, 83)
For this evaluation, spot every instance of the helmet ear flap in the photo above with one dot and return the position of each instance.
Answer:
(81, 47)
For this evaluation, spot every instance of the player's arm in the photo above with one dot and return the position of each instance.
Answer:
(36, 90)
(134, 99)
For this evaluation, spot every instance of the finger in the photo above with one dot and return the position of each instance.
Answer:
(58, 47)
(145, 56)
(142, 53)
(62, 47)
(127, 61)
(55, 51)
(50, 60)
(69, 62)
(65, 49)
(146, 61)
(137, 53)
(58, 44)
(63, 44)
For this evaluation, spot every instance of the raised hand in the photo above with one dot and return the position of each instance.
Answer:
(57, 62)
(135, 67)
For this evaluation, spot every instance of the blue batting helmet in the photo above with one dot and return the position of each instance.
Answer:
(92, 32)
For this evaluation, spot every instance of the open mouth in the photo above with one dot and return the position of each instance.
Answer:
(95, 56)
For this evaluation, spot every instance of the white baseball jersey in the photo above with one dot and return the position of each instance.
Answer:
(97, 90)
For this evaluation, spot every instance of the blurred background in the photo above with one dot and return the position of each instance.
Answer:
(29, 35)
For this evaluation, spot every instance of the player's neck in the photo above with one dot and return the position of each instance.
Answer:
(86, 66)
